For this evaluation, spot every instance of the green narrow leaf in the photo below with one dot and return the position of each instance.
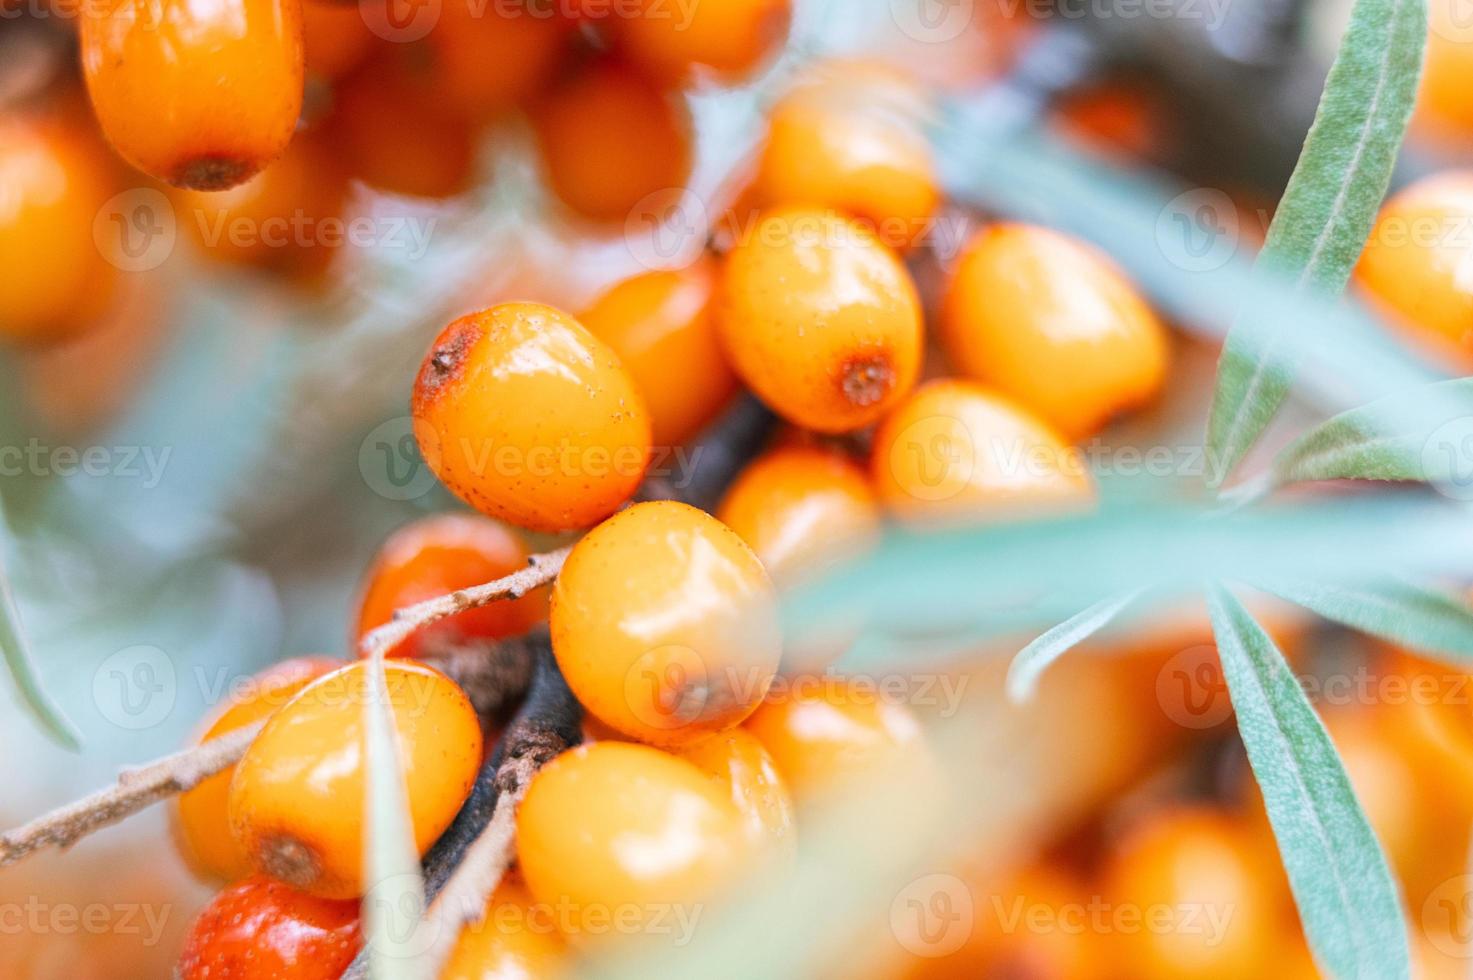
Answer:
(394, 904)
(1403, 612)
(18, 659)
(1030, 663)
(1416, 436)
(1327, 210)
(1348, 902)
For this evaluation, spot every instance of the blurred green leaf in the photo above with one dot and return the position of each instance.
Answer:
(1030, 663)
(1328, 208)
(18, 659)
(1403, 612)
(1348, 902)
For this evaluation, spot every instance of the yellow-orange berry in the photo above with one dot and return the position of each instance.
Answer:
(802, 509)
(201, 820)
(621, 832)
(610, 139)
(515, 940)
(849, 138)
(335, 37)
(1051, 322)
(820, 319)
(198, 95)
(1417, 267)
(724, 38)
(54, 183)
(530, 418)
(260, 929)
(955, 451)
(488, 57)
(659, 324)
(741, 766)
(1443, 106)
(297, 799)
(825, 731)
(665, 624)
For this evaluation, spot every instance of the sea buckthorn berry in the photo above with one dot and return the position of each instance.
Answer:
(725, 38)
(1051, 322)
(1198, 859)
(849, 138)
(665, 624)
(621, 833)
(201, 818)
(285, 219)
(261, 929)
(529, 418)
(198, 95)
(1443, 106)
(489, 57)
(1417, 267)
(820, 319)
(610, 140)
(54, 182)
(826, 731)
(438, 555)
(802, 509)
(742, 767)
(515, 940)
(955, 451)
(659, 324)
(335, 37)
(297, 798)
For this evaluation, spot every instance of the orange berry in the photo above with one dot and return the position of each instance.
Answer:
(1194, 862)
(659, 324)
(435, 556)
(610, 139)
(1117, 118)
(1051, 322)
(1442, 102)
(262, 930)
(724, 38)
(956, 451)
(665, 624)
(288, 218)
(335, 37)
(54, 183)
(622, 833)
(514, 940)
(489, 57)
(530, 418)
(297, 799)
(1417, 267)
(820, 319)
(849, 139)
(201, 820)
(826, 731)
(198, 95)
(745, 770)
(802, 509)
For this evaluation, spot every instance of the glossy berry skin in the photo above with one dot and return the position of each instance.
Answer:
(201, 818)
(531, 419)
(1051, 322)
(260, 929)
(746, 770)
(611, 141)
(1416, 265)
(802, 508)
(849, 139)
(335, 38)
(665, 624)
(1186, 858)
(956, 451)
(726, 39)
(617, 827)
(438, 555)
(515, 940)
(820, 319)
(827, 731)
(198, 95)
(659, 324)
(54, 183)
(297, 798)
